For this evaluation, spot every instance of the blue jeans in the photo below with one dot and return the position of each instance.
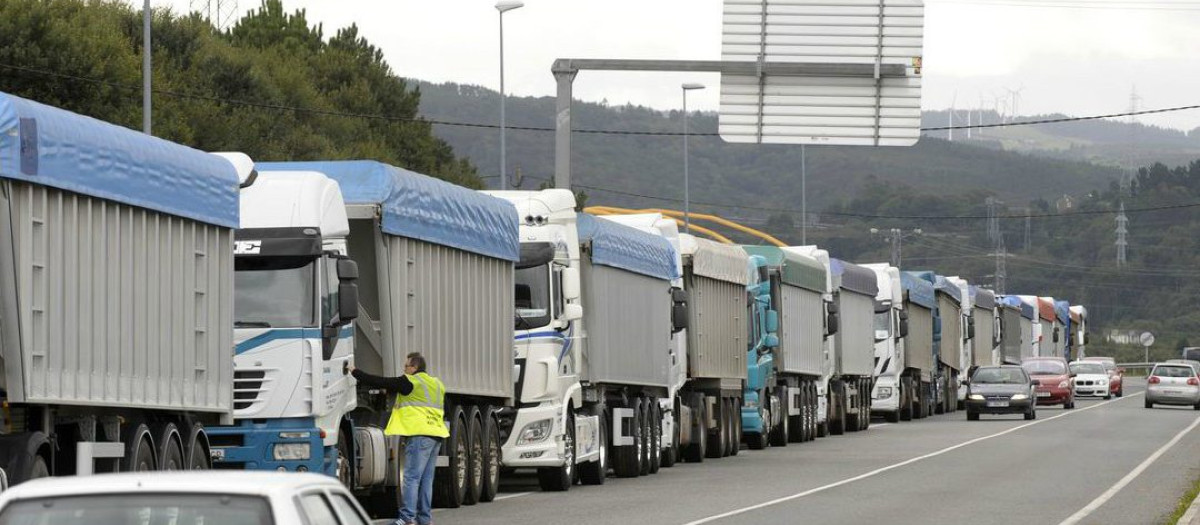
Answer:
(420, 462)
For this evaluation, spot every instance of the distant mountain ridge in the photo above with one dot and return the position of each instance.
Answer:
(641, 170)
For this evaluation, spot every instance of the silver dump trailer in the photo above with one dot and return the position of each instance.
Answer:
(854, 289)
(116, 296)
(920, 360)
(984, 313)
(1016, 327)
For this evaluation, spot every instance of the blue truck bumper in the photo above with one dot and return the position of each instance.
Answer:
(250, 445)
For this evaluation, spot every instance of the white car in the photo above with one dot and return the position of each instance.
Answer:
(183, 498)
(1091, 379)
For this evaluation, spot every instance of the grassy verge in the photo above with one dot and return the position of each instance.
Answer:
(1184, 503)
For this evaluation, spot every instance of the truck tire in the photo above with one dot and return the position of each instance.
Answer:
(716, 437)
(449, 483)
(559, 479)
(758, 440)
(779, 434)
(797, 426)
(474, 457)
(647, 440)
(672, 454)
(837, 416)
(952, 393)
(655, 436)
(905, 408)
(491, 456)
(736, 414)
(864, 406)
(139, 450)
(170, 446)
(196, 452)
(625, 458)
(594, 472)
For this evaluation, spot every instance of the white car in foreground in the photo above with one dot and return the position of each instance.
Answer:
(182, 498)
(1091, 379)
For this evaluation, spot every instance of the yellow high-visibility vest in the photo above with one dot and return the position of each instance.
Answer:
(421, 412)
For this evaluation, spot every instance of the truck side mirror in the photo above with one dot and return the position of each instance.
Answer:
(903, 325)
(771, 341)
(679, 309)
(347, 271)
(970, 328)
(772, 321)
(1086, 338)
(570, 284)
(831, 323)
(1055, 339)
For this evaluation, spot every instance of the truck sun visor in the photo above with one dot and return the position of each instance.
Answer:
(850, 276)
(44, 145)
(535, 254)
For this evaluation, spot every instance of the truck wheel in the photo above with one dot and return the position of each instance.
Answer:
(797, 427)
(736, 416)
(594, 472)
(450, 483)
(671, 454)
(474, 457)
(656, 436)
(647, 440)
(139, 450)
(694, 453)
(864, 405)
(196, 451)
(779, 434)
(170, 449)
(972, 415)
(905, 408)
(343, 466)
(559, 479)
(717, 438)
(837, 418)
(625, 458)
(491, 456)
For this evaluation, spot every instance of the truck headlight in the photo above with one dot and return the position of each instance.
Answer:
(883, 392)
(535, 432)
(1019, 397)
(292, 451)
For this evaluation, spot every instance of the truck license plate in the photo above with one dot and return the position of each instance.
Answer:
(997, 403)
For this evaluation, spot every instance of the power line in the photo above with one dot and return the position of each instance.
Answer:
(393, 118)
(1069, 4)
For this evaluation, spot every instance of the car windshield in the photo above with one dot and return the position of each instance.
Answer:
(1173, 371)
(1044, 368)
(1008, 376)
(1087, 368)
(139, 509)
(274, 292)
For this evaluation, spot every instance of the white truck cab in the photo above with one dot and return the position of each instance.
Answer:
(886, 393)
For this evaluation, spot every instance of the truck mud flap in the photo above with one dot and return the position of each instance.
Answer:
(622, 419)
(587, 438)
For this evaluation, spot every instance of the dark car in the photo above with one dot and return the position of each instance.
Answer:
(1001, 390)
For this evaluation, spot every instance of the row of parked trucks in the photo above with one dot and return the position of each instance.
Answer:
(167, 308)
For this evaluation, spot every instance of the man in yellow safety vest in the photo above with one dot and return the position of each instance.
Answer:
(419, 416)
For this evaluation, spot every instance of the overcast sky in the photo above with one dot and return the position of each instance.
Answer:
(1083, 57)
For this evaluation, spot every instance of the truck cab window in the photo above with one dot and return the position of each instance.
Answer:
(883, 325)
(275, 292)
(532, 295)
(329, 296)
(558, 288)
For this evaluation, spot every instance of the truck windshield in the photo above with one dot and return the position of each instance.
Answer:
(273, 292)
(138, 509)
(883, 325)
(532, 297)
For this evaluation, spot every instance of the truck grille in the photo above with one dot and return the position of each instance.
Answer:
(247, 387)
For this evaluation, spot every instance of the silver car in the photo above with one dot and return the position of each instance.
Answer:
(1173, 384)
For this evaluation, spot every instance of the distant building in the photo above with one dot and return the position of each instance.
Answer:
(1066, 203)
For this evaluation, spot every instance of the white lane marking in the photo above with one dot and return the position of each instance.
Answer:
(879, 471)
(510, 496)
(1113, 490)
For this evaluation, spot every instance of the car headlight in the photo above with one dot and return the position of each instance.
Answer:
(883, 392)
(535, 432)
(1063, 384)
(977, 397)
(1019, 397)
(292, 451)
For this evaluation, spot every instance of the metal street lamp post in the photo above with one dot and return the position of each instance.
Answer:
(687, 219)
(504, 6)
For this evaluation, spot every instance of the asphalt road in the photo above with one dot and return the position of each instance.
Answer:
(1103, 462)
